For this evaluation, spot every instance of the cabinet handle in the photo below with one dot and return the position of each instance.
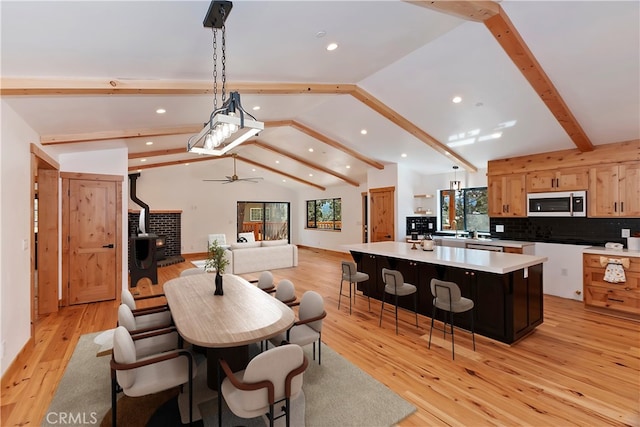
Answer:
(616, 300)
(615, 206)
(507, 208)
(621, 206)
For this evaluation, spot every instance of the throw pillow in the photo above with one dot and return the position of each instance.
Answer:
(249, 237)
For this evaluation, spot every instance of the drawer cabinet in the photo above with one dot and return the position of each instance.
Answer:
(621, 298)
(558, 180)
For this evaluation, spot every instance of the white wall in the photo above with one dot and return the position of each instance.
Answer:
(351, 218)
(15, 262)
(104, 162)
(562, 273)
(207, 207)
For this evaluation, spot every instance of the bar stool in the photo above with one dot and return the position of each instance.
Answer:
(447, 297)
(394, 284)
(350, 274)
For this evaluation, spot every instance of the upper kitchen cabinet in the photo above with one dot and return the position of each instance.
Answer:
(614, 190)
(573, 179)
(507, 197)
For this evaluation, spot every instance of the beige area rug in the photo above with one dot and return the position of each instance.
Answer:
(336, 393)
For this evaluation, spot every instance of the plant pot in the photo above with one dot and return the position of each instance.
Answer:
(218, 290)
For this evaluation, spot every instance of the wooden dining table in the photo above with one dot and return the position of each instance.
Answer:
(226, 324)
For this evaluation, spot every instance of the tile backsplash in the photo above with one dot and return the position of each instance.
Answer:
(589, 231)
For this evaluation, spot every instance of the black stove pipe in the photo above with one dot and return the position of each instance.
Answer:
(132, 193)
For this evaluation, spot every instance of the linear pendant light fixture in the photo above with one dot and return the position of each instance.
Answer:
(227, 126)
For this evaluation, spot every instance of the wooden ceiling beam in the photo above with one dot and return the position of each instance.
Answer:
(175, 162)
(58, 86)
(42, 86)
(308, 164)
(477, 11)
(381, 108)
(498, 23)
(335, 144)
(513, 44)
(270, 169)
(118, 134)
(157, 153)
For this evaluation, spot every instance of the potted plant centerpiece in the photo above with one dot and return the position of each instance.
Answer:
(217, 261)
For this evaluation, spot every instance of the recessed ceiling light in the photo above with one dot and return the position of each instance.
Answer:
(256, 108)
(277, 161)
(363, 131)
(149, 142)
(143, 160)
(139, 170)
(253, 170)
(310, 174)
(311, 150)
(332, 46)
(161, 111)
(403, 155)
(321, 34)
(186, 164)
(348, 167)
(456, 100)
(284, 180)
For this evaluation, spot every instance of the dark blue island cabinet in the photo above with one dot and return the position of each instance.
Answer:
(508, 306)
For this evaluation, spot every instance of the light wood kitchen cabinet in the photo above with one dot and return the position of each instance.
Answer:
(574, 179)
(614, 190)
(507, 196)
(616, 298)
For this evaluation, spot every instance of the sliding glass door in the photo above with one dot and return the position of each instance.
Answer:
(266, 220)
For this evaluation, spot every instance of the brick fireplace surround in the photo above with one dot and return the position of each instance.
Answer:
(165, 223)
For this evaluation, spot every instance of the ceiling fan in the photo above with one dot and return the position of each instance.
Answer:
(234, 177)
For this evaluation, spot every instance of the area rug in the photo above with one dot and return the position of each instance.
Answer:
(336, 393)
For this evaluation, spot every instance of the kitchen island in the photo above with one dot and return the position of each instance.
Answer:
(506, 288)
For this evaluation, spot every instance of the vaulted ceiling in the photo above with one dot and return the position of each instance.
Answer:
(533, 77)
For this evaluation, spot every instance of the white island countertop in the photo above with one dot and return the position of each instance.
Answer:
(487, 261)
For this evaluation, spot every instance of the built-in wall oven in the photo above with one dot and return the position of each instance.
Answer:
(572, 203)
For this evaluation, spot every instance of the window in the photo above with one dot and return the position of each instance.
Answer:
(465, 209)
(255, 214)
(266, 220)
(324, 214)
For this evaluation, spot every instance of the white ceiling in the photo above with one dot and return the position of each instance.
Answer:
(411, 58)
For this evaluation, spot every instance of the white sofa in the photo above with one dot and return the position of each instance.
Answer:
(249, 257)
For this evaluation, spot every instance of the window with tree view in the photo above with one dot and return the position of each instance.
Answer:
(324, 214)
(465, 209)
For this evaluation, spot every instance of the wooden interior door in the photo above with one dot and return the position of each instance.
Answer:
(93, 240)
(47, 247)
(382, 214)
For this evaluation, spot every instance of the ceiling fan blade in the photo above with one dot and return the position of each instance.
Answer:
(216, 180)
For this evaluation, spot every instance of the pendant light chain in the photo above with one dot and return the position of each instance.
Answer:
(215, 70)
(224, 58)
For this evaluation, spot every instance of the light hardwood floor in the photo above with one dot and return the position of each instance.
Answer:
(578, 368)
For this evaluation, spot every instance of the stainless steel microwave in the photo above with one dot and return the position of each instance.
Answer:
(572, 203)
